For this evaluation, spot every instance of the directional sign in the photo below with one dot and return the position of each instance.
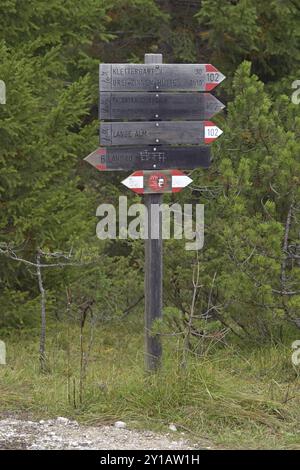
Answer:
(162, 77)
(146, 182)
(162, 132)
(149, 158)
(162, 106)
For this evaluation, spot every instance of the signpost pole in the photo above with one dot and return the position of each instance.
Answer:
(153, 271)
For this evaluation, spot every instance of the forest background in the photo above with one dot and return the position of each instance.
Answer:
(228, 372)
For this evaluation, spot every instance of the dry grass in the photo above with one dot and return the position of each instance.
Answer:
(236, 399)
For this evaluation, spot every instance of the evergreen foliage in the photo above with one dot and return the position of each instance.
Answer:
(49, 56)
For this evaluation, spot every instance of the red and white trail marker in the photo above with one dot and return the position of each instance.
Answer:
(160, 181)
(213, 77)
(211, 132)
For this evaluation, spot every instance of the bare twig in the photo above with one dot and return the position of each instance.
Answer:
(196, 276)
(43, 362)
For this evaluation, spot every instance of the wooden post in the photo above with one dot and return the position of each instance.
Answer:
(153, 271)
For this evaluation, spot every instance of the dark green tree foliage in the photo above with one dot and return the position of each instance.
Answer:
(252, 225)
(249, 266)
(49, 56)
(46, 128)
(41, 131)
(265, 33)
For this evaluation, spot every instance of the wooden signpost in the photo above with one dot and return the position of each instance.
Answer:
(167, 128)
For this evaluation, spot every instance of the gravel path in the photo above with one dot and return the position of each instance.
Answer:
(63, 434)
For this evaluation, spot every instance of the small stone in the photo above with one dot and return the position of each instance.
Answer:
(120, 425)
(50, 422)
(42, 421)
(61, 420)
(172, 427)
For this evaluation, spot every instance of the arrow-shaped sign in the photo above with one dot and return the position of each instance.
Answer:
(168, 181)
(149, 158)
(158, 106)
(160, 132)
(159, 77)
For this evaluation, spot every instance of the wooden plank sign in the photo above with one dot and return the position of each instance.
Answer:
(165, 122)
(158, 106)
(162, 132)
(151, 182)
(159, 77)
(149, 158)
